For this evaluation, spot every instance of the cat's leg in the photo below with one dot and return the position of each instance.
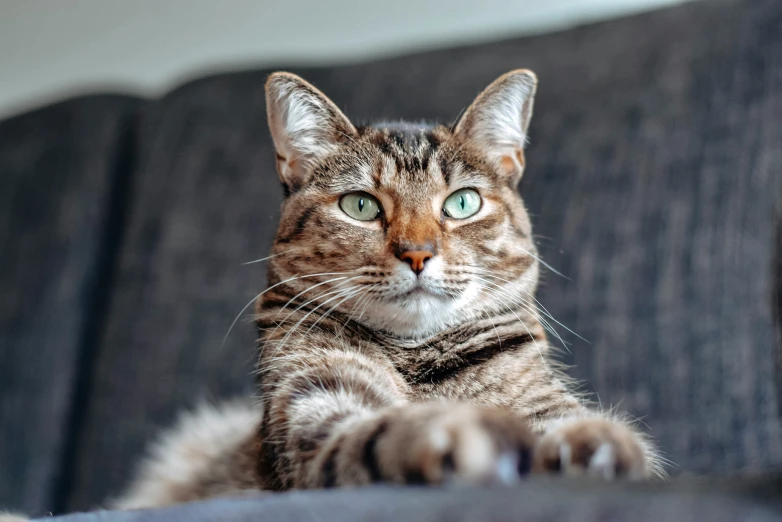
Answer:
(575, 437)
(344, 420)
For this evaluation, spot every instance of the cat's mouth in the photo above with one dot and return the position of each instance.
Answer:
(419, 290)
(423, 289)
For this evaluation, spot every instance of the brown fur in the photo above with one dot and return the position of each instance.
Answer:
(369, 373)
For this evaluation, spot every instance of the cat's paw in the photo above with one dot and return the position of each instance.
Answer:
(434, 444)
(594, 447)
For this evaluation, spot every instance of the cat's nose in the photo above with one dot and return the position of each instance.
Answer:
(416, 259)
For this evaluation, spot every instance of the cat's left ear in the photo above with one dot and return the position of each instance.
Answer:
(497, 121)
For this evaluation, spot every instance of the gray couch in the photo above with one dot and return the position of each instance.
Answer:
(654, 173)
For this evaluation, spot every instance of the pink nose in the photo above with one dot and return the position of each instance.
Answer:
(416, 259)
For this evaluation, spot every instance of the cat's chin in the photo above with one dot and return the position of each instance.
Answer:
(420, 314)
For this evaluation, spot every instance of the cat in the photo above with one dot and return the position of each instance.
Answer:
(400, 338)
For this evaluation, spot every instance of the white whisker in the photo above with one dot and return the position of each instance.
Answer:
(340, 293)
(263, 259)
(520, 302)
(534, 341)
(230, 328)
(539, 260)
(540, 307)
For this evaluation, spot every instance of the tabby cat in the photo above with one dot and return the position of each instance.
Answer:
(401, 340)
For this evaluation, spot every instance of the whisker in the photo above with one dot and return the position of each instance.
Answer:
(535, 342)
(222, 344)
(281, 344)
(540, 307)
(284, 321)
(539, 260)
(324, 294)
(366, 293)
(366, 306)
(230, 328)
(350, 295)
(263, 258)
(488, 316)
(310, 288)
(520, 302)
(531, 309)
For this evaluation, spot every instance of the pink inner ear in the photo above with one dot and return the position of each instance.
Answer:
(281, 165)
(286, 170)
(513, 165)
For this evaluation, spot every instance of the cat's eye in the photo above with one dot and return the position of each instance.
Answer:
(360, 206)
(462, 204)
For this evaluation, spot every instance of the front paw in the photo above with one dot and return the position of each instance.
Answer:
(438, 443)
(592, 446)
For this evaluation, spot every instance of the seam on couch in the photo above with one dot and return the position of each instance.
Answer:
(97, 293)
(776, 302)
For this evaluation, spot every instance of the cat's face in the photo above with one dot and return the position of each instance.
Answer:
(406, 228)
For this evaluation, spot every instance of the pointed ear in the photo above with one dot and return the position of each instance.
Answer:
(496, 123)
(306, 126)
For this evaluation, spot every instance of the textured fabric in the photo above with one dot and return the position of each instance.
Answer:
(201, 208)
(61, 176)
(777, 305)
(536, 501)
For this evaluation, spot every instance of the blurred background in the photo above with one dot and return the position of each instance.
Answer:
(49, 50)
(137, 176)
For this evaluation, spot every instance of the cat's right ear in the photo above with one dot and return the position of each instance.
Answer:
(306, 127)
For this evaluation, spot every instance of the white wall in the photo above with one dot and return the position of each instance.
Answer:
(52, 48)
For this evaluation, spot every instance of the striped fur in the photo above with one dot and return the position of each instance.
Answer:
(211, 452)
(370, 373)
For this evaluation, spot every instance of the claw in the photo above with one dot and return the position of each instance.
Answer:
(565, 455)
(439, 440)
(603, 462)
(507, 469)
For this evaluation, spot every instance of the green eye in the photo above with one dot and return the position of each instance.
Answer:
(360, 206)
(462, 204)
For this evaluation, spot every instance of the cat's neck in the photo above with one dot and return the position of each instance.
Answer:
(275, 325)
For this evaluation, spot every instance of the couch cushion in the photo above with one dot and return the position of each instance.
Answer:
(64, 170)
(652, 176)
(535, 501)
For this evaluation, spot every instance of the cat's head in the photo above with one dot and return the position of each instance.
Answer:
(408, 228)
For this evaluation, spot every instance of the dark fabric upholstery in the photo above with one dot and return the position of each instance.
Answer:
(653, 176)
(777, 306)
(62, 171)
(536, 501)
(204, 204)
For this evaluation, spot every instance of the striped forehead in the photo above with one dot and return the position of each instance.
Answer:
(408, 157)
(413, 160)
